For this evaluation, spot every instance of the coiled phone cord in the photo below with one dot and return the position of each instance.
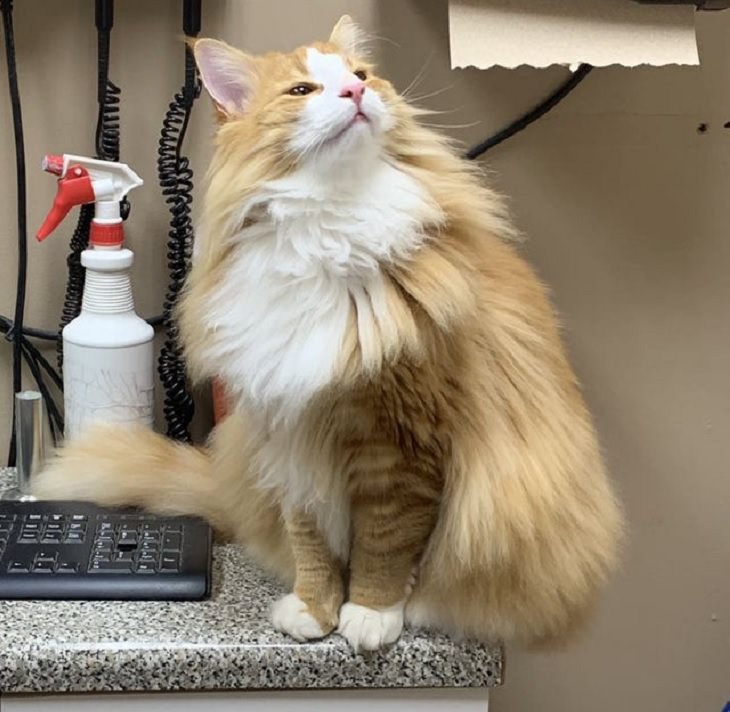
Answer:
(176, 180)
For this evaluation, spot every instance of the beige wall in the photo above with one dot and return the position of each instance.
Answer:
(628, 216)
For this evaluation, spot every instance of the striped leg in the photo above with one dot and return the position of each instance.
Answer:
(311, 611)
(394, 511)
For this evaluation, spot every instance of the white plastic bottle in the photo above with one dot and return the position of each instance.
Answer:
(108, 364)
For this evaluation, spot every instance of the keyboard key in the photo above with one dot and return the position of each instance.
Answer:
(127, 527)
(74, 538)
(172, 542)
(123, 556)
(17, 567)
(147, 557)
(31, 527)
(151, 536)
(43, 567)
(7, 517)
(29, 538)
(107, 538)
(102, 547)
(105, 527)
(34, 518)
(170, 563)
(127, 540)
(52, 527)
(66, 567)
(51, 538)
(111, 567)
(144, 567)
(46, 555)
(78, 517)
(173, 529)
(77, 527)
(152, 546)
(152, 527)
(56, 518)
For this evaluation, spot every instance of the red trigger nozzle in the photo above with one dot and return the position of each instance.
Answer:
(75, 188)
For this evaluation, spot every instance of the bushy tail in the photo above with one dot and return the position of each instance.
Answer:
(115, 465)
(128, 465)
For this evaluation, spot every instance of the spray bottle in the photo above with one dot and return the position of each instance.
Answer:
(108, 367)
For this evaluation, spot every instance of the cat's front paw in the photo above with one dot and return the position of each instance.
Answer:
(368, 628)
(291, 615)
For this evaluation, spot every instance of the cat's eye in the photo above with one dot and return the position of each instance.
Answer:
(301, 90)
(361, 74)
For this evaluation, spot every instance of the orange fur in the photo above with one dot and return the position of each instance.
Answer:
(454, 429)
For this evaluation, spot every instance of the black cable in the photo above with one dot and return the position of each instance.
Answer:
(156, 321)
(107, 135)
(6, 327)
(20, 289)
(55, 419)
(43, 363)
(41, 334)
(533, 115)
(15, 330)
(36, 361)
(176, 180)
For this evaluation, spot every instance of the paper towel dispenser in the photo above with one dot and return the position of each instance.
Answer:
(603, 33)
(699, 4)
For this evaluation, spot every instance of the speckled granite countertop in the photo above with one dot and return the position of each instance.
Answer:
(225, 643)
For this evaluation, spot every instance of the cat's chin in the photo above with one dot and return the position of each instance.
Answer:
(358, 123)
(349, 153)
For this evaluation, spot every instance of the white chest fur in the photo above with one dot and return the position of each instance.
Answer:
(279, 316)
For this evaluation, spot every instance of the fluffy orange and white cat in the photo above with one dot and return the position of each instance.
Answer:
(407, 441)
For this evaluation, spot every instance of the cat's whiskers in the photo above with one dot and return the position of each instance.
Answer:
(469, 125)
(414, 100)
(417, 79)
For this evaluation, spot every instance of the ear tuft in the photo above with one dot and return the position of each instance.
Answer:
(227, 73)
(348, 36)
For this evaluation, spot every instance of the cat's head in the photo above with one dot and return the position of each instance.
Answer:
(321, 102)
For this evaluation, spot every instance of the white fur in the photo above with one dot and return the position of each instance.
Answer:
(324, 126)
(289, 615)
(280, 315)
(369, 629)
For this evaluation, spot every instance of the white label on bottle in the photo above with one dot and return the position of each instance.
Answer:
(94, 393)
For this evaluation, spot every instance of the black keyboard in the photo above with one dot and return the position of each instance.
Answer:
(71, 550)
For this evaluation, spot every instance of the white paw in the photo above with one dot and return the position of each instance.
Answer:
(290, 615)
(369, 629)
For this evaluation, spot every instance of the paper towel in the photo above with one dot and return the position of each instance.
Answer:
(539, 33)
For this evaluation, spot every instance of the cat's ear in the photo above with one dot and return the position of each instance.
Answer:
(348, 36)
(227, 73)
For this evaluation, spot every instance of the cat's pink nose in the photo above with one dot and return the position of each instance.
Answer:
(353, 91)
